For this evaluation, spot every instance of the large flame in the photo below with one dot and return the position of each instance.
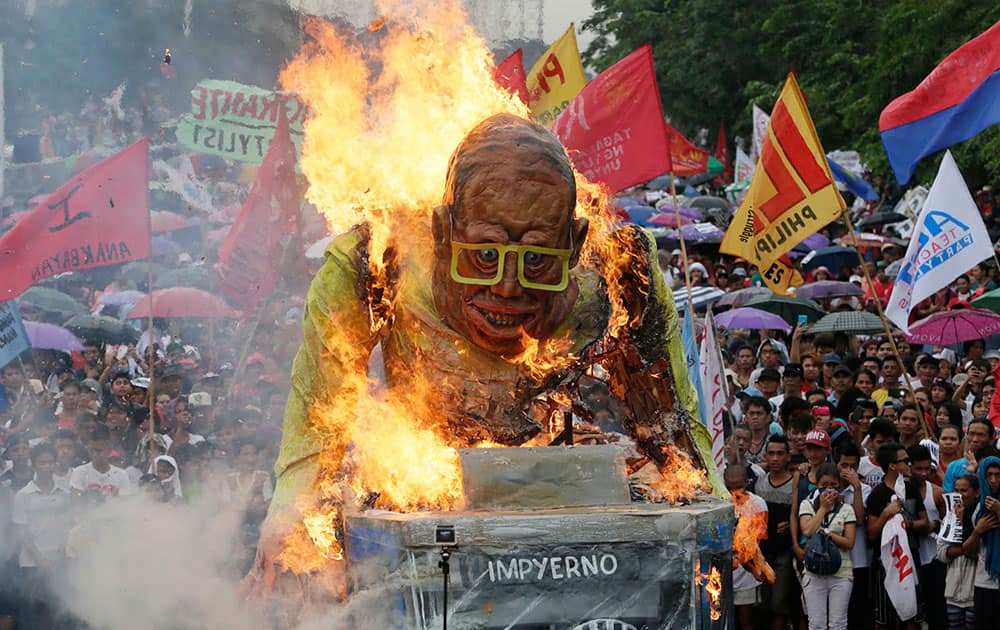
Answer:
(388, 109)
(746, 540)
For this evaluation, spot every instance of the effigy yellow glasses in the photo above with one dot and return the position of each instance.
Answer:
(486, 261)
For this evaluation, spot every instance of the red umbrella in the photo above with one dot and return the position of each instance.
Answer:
(948, 327)
(183, 302)
(163, 221)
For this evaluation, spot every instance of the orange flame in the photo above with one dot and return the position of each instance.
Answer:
(712, 581)
(683, 480)
(376, 150)
(749, 531)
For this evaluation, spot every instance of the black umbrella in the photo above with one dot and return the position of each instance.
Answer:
(789, 308)
(880, 218)
(708, 201)
(101, 328)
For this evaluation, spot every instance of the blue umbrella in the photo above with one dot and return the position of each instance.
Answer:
(692, 213)
(640, 215)
(833, 258)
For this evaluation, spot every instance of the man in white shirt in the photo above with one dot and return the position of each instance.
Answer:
(746, 588)
(40, 516)
(98, 477)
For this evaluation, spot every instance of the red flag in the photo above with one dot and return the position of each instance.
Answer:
(613, 130)
(687, 159)
(249, 258)
(99, 217)
(509, 75)
(722, 153)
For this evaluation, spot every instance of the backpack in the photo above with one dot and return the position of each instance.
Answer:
(822, 554)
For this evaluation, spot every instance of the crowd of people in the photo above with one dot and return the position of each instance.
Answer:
(81, 431)
(832, 435)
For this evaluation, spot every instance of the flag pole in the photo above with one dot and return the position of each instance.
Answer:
(885, 322)
(680, 235)
(151, 392)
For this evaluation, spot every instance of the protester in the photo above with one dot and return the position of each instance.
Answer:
(828, 594)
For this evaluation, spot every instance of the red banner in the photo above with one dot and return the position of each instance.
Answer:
(687, 159)
(250, 257)
(722, 154)
(99, 217)
(509, 74)
(613, 130)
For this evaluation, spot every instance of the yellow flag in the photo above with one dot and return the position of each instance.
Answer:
(792, 194)
(555, 79)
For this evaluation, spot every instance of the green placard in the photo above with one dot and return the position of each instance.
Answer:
(237, 121)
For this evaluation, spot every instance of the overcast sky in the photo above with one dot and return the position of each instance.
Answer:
(558, 15)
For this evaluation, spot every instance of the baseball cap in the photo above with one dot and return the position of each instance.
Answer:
(892, 402)
(739, 271)
(210, 375)
(121, 373)
(793, 369)
(821, 410)
(841, 369)
(818, 437)
(141, 382)
(992, 354)
(856, 279)
(831, 357)
(200, 399)
(90, 384)
(927, 360)
(750, 391)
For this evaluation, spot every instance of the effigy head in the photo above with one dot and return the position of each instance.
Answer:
(505, 236)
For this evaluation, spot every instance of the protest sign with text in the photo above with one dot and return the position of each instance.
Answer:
(713, 392)
(13, 337)
(613, 130)
(99, 217)
(237, 121)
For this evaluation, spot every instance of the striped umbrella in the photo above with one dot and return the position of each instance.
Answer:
(700, 296)
(852, 322)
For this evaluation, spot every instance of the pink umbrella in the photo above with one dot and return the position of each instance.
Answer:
(955, 326)
(669, 219)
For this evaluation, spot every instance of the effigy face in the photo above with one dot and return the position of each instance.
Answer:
(505, 238)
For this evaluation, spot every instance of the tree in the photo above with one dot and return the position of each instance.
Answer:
(715, 59)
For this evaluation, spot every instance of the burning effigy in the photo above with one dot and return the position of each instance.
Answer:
(477, 284)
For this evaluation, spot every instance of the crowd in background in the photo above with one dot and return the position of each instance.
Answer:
(837, 433)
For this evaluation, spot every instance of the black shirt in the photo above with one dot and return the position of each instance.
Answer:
(913, 509)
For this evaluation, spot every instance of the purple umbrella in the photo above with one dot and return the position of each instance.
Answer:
(828, 289)
(812, 242)
(753, 319)
(696, 233)
(51, 337)
(121, 298)
(948, 327)
(692, 213)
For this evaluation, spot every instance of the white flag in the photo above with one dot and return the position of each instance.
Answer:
(900, 572)
(713, 385)
(744, 167)
(761, 120)
(949, 237)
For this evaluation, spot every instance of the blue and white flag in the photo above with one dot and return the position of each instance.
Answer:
(714, 397)
(691, 354)
(13, 337)
(949, 238)
(853, 182)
